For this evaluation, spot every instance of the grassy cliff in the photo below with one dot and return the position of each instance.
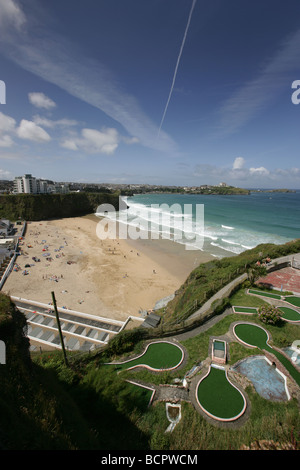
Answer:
(53, 206)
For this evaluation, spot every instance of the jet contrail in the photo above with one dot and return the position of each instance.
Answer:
(177, 63)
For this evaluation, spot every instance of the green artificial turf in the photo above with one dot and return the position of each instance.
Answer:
(294, 300)
(245, 309)
(252, 335)
(265, 294)
(290, 314)
(160, 355)
(218, 397)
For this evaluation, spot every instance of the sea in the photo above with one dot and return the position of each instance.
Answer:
(221, 225)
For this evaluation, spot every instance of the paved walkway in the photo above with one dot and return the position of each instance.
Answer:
(200, 329)
(224, 292)
(173, 394)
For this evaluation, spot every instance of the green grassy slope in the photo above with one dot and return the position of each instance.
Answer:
(208, 278)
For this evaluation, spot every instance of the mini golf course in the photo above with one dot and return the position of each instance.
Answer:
(215, 394)
(291, 299)
(289, 314)
(264, 294)
(256, 336)
(218, 397)
(158, 356)
(252, 335)
(294, 300)
(249, 310)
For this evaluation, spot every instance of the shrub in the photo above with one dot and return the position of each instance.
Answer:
(269, 314)
(255, 272)
(125, 341)
(220, 305)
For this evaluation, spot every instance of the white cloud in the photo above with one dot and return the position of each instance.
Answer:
(130, 140)
(11, 15)
(30, 131)
(7, 126)
(51, 57)
(240, 175)
(94, 141)
(69, 144)
(26, 130)
(259, 171)
(45, 122)
(238, 163)
(41, 101)
(7, 123)
(6, 141)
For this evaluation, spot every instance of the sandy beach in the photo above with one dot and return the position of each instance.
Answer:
(110, 278)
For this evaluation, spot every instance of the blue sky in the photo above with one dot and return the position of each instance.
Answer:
(174, 92)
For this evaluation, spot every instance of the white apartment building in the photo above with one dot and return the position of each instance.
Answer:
(28, 184)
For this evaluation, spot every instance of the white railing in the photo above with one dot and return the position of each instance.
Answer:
(12, 261)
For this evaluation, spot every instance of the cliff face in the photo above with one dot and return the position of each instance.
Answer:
(51, 206)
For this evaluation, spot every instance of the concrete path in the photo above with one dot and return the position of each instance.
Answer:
(200, 329)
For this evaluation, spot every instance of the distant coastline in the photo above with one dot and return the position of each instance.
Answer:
(221, 190)
(272, 190)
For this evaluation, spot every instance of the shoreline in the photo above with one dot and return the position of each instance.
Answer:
(109, 278)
